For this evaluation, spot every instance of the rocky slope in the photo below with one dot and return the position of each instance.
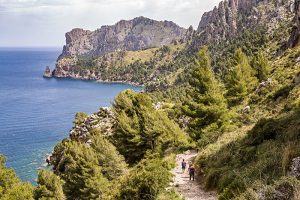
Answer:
(231, 17)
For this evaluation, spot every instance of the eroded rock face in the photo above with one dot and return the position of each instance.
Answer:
(233, 16)
(295, 36)
(136, 34)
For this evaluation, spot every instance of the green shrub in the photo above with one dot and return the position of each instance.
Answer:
(11, 187)
(147, 180)
(49, 187)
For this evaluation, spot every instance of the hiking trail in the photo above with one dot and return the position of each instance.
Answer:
(189, 190)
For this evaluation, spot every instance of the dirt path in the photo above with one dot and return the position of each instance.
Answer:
(190, 190)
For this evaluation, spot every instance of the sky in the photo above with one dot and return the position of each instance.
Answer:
(43, 23)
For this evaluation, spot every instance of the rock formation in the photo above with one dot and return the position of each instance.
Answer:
(103, 121)
(295, 36)
(295, 168)
(231, 17)
(136, 34)
(126, 35)
(47, 73)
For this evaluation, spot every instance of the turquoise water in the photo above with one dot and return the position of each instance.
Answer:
(36, 113)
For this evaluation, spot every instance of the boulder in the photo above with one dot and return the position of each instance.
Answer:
(295, 168)
(296, 80)
(246, 109)
(47, 73)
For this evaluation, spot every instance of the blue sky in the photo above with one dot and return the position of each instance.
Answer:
(32, 23)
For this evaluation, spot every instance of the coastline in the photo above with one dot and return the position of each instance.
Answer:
(97, 81)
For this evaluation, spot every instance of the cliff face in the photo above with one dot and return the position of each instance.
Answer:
(132, 35)
(295, 36)
(233, 16)
(139, 33)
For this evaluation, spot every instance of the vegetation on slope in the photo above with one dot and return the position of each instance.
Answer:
(237, 102)
(11, 187)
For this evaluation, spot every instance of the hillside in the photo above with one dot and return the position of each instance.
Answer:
(231, 92)
(93, 54)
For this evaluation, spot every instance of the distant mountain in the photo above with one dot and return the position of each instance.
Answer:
(126, 35)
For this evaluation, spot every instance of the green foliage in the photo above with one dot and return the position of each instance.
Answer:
(206, 105)
(80, 117)
(112, 163)
(287, 188)
(88, 170)
(250, 40)
(263, 154)
(240, 79)
(83, 175)
(11, 187)
(147, 180)
(141, 128)
(262, 66)
(49, 187)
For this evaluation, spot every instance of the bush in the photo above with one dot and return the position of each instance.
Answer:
(11, 187)
(141, 128)
(262, 155)
(49, 187)
(146, 181)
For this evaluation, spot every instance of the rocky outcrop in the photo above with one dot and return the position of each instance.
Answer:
(295, 36)
(126, 35)
(47, 73)
(231, 17)
(103, 121)
(136, 34)
(295, 168)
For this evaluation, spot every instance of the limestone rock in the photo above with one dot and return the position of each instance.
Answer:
(231, 17)
(136, 34)
(126, 35)
(295, 168)
(103, 121)
(295, 36)
(47, 73)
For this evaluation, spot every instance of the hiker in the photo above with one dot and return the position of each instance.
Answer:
(192, 172)
(183, 165)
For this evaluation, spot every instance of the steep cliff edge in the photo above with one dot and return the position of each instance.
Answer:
(126, 35)
(295, 36)
(137, 34)
(230, 18)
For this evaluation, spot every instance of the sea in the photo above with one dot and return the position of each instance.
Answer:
(35, 112)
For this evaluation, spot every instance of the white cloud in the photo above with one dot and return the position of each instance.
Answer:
(44, 22)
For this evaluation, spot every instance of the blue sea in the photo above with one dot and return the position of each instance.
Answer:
(36, 113)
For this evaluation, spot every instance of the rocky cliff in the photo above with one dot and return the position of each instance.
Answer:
(231, 17)
(295, 36)
(137, 34)
(129, 35)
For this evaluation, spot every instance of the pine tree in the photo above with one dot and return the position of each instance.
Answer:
(11, 187)
(262, 66)
(141, 128)
(83, 174)
(49, 187)
(241, 78)
(206, 105)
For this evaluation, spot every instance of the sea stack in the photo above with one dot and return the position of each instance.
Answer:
(47, 73)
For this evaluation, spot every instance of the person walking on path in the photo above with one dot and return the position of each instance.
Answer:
(183, 165)
(192, 172)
